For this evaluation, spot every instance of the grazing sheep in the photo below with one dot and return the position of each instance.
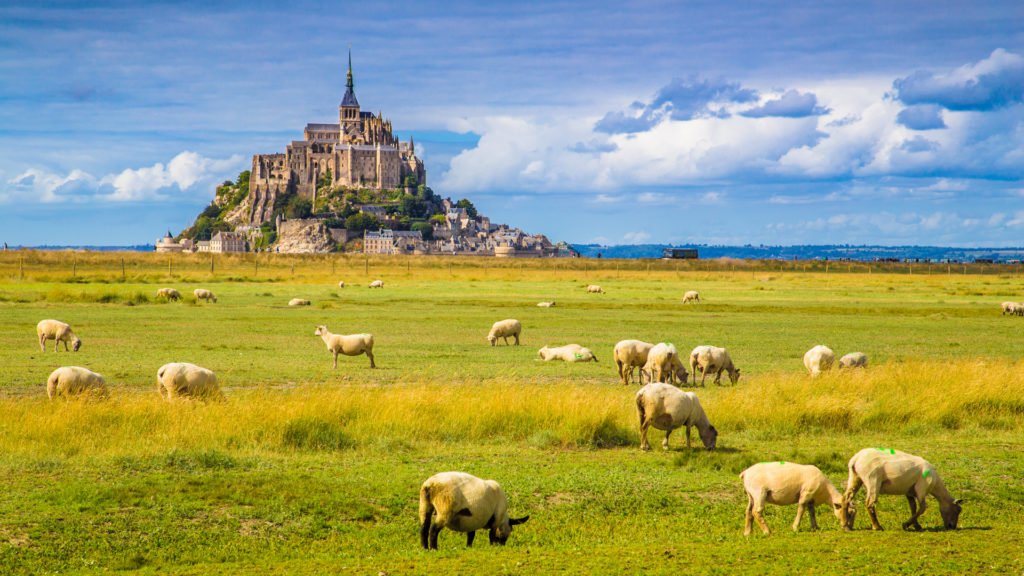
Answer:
(298, 302)
(663, 365)
(784, 483)
(595, 289)
(350, 345)
(546, 304)
(628, 355)
(1018, 309)
(819, 359)
(204, 294)
(169, 294)
(464, 503)
(666, 408)
(341, 284)
(184, 380)
(567, 353)
(377, 284)
(71, 381)
(691, 296)
(58, 332)
(711, 359)
(854, 360)
(1008, 307)
(504, 329)
(888, 471)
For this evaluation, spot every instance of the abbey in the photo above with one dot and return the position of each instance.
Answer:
(359, 151)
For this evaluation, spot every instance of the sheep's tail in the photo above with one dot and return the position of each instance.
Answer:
(426, 513)
(640, 408)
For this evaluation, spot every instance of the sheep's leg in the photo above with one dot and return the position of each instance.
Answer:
(664, 443)
(869, 502)
(335, 360)
(425, 533)
(434, 531)
(469, 539)
(759, 515)
(748, 518)
(66, 346)
(506, 340)
(917, 507)
(370, 355)
(703, 375)
(813, 515)
(644, 425)
(42, 343)
(853, 484)
(516, 335)
(718, 377)
(800, 507)
(687, 436)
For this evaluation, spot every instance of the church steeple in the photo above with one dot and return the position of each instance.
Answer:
(349, 109)
(348, 78)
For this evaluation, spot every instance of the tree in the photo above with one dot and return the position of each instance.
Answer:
(425, 229)
(211, 211)
(298, 207)
(467, 206)
(438, 219)
(413, 207)
(360, 222)
(410, 181)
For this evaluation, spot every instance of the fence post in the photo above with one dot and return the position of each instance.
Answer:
(211, 262)
(168, 265)
(74, 267)
(21, 267)
(256, 261)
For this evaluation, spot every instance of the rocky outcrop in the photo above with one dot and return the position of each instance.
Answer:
(303, 237)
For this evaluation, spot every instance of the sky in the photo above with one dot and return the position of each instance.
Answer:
(708, 122)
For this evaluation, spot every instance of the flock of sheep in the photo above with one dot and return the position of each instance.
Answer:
(464, 503)
(1013, 308)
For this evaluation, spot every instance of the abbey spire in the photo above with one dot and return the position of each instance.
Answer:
(349, 109)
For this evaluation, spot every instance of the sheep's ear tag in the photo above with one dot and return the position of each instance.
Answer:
(925, 473)
(579, 356)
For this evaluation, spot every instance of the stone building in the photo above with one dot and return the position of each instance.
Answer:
(227, 242)
(391, 242)
(359, 151)
(167, 244)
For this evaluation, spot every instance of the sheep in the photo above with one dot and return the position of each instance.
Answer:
(888, 471)
(58, 332)
(711, 359)
(204, 294)
(69, 381)
(595, 289)
(567, 353)
(298, 302)
(546, 304)
(630, 354)
(185, 380)
(169, 294)
(819, 359)
(1008, 307)
(464, 503)
(663, 365)
(377, 284)
(350, 345)
(1018, 309)
(784, 483)
(691, 296)
(341, 284)
(504, 329)
(854, 360)
(666, 408)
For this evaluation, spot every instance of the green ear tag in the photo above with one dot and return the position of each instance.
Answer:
(925, 473)
(889, 450)
(579, 356)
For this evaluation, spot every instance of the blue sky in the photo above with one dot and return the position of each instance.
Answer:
(709, 122)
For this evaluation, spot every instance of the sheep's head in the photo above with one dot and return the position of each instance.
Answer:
(76, 343)
(540, 353)
(709, 437)
(492, 338)
(845, 512)
(320, 330)
(682, 374)
(951, 514)
(734, 376)
(499, 534)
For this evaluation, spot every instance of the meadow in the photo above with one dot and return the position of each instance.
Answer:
(309, 470)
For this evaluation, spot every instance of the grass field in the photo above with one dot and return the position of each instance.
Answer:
(308, 470)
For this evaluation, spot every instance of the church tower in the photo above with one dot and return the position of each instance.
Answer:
(348, 111)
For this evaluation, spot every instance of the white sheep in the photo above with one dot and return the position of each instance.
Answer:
(567, 353)
(691, 296)
(664, 365)
(1008, 307)
(169, 294)
(666, 408)
(546, 304)
(504, 329)
(888, 471)
(341, 284)
(185, 380)
(298, 302)
(377, 284)
(464, 503)
(204, 294)
(69, 381)
(349, 345)
(854, 360)
(58, 332)
(628, 355)
(712, 359)
(784, 483)
(819, 359)
(595, 289)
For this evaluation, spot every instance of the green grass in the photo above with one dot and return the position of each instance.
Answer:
(308, 470)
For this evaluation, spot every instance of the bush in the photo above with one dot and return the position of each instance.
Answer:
(298, 207)
(424, 228)
(360, 222)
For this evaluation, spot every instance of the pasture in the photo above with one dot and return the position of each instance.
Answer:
(309, 470)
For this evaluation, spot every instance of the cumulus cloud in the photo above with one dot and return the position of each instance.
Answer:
(792, 104)
(919, 144)
(188, 172)
(994, 82)
(922, 117)
(681, 99)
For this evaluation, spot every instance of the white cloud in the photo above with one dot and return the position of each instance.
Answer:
(635, 237)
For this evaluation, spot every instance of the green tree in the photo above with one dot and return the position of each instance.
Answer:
(425, 229)
(410, 181)
(298, 207)
(413, 207)
(438, 219)
(467, 206)
(360, 222)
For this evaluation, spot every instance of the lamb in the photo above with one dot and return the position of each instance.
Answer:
(819, 359)
(298, 302)
(666, 408)
(888, 471)
(663, 365)
(630, 354)
(854, 360)
(169, 294)
(204, 294)
(567, 353)
(784, 483)
(464, 503)
(546, 304)
(349, 345)
(69, 381)
(58, 332)
(691, 296)
(185, 380)
(377, 284)
(595, 289)
(710, 359)
(341, 284)
(504, 329)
